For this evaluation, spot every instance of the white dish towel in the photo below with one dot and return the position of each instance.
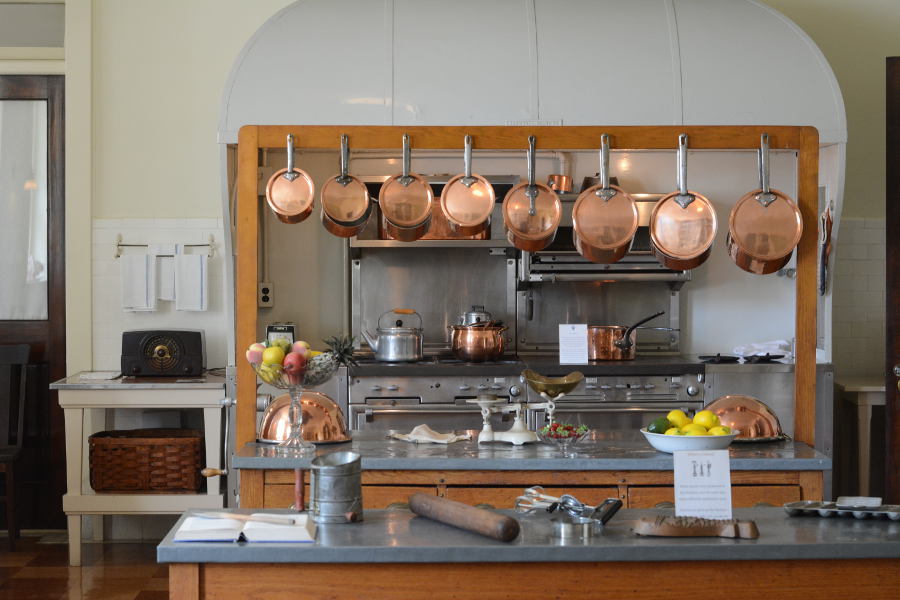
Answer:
(165, 270)
(191, 282)
(424, 433)
(138, 282)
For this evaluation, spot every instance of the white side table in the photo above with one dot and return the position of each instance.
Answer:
(864, 393)
(85, 402)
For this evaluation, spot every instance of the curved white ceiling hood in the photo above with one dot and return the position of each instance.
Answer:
(570, 62)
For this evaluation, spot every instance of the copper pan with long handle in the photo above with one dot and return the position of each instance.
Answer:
(290, 192)
(765, 225)
(682, 224)
(614, 342)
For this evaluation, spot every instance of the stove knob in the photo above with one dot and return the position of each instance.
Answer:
(649, 386)
(674, 386)
(692, 390)
(515, 391)
(393, 388)
(482, 386)
(605, 387)
(496, 386)
(465, 387)
(621, 386)
(590, 386)
(376, 388)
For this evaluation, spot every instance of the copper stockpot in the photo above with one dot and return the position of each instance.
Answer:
(290, 192)
(614, 342)
(323, 421)
(476, 343)
(405, 202)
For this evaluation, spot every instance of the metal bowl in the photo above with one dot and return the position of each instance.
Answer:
(552, 386)
(323, 421)
(752, 417)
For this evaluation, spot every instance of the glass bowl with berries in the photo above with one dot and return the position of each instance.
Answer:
(563, 435)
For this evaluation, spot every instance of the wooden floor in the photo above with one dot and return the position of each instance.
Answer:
(111, 571)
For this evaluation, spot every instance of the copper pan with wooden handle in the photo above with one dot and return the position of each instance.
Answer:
(290, 192)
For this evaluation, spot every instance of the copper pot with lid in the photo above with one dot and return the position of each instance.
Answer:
(765, 225)
(290, 191)
(531, 211)
(468, 199)
(604, 218)
(405, 202)
(683, 224)
(346, 205)
(477, 337)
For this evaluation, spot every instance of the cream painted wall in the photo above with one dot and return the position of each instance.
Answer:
(856, 37)
(159, 68)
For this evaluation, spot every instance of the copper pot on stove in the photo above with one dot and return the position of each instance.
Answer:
(614, 342)
(477, 338)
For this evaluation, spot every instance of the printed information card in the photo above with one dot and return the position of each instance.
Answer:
(573, 344)
(703, 484)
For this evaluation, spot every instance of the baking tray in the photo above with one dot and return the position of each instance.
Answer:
(833, 509)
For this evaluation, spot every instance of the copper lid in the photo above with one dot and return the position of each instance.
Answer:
(406, 205)
(290, 197)
(345, 201)
(468, 205)
(546, 217)
(753, 418)
(683, 233)
(766, 232)
(322, 420)
(605, 224)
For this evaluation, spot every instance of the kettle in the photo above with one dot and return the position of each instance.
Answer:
(397, 343)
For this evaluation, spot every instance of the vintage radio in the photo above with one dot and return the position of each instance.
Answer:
(163, 353)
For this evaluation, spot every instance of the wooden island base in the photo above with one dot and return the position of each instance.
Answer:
(735, 580)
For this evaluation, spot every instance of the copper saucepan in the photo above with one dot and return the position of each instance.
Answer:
(468, 199)
(406, 202)
(614, 342)
(682, 224)
(604, 218)
(477, 343)
(531, 211)
(290, 191)
(346, 205)
(765, 225)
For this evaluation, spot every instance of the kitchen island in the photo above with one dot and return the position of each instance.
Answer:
(394, 554)
(613, 464)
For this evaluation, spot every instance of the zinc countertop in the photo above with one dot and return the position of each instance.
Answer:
(609, 451)
(401, 537)
(80, 382)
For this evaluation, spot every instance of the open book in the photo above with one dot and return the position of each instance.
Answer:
(257, 527)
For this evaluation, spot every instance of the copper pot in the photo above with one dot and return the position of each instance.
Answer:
(561, 184)
(468, 199)
(346, 205)
(765, 225)
(531, 211)
(476, 343)
(323, 421)
(290, 192)
(406, 202)
(614, 342)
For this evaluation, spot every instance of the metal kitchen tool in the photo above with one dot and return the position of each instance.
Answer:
(335, 488)
(604, 217)
(682, 224)
(468, 199)
(346, 205)
(531, 211)
(551, 387)
(405, 202)
(765, 225)
(517, 435)
(290, 191)
(845, 506)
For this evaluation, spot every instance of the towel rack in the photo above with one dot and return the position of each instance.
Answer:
(211, 245)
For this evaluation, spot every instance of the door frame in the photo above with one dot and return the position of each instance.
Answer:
(892, 263)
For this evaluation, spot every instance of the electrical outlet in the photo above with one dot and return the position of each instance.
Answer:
(265, 297)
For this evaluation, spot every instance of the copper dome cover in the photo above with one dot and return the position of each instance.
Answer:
(323, 420)
(753, 418)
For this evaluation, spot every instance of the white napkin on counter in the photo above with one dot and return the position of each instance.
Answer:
(424, 433)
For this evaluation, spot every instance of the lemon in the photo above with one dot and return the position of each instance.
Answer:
(698, 429)
(720, 430)
(678, 418)
(273, 355)
(673, 431)
(707, 419)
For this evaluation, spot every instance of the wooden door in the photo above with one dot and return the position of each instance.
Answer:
(892, 311)
(32, 188)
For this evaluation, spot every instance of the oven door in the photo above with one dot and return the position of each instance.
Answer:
(440, 417)
(605, 417)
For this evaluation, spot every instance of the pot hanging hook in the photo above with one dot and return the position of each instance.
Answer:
(344, 178)
(290, 174)
(531, 191)
(405, 179)
(467, 179)
(605, 192)
(766, 197)
(683, 198)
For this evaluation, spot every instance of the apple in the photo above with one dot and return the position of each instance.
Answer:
(295, 367)
(282, 343)
(300, 347)
(255, 353)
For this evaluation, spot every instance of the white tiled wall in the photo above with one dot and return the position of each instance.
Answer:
(859, 298)
(109, 320)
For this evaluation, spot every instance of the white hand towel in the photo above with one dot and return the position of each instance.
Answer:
(191, 282)
(424, 433)
(138, 282)
(165, 270)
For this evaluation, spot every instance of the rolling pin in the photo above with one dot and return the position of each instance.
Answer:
(478, 520)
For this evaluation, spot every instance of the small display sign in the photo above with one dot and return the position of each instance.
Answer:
(280, 330)
(573, 344)
(702, 484)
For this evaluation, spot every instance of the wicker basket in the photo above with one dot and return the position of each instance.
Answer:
(146, 460)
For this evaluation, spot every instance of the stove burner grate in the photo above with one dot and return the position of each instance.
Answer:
(719, 359)
(763, 359)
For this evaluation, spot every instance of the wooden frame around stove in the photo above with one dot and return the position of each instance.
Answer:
(804, 140)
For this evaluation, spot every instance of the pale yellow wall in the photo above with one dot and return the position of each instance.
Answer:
(856, 36)
(159, 70)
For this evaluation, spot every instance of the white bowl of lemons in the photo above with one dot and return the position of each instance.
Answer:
(677, 431)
